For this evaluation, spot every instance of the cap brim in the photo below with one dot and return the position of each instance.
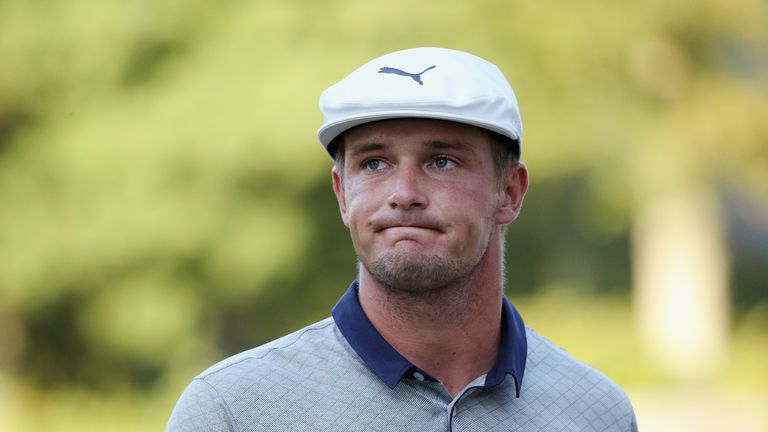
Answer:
(328, 132)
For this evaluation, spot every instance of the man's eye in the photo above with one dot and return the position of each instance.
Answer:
(373, 164)
(444, 162)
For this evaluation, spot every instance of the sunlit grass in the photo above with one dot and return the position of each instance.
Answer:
(600, 331)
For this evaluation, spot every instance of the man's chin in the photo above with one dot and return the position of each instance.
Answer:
(414, 272)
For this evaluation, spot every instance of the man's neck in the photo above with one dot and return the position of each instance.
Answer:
(452, 334)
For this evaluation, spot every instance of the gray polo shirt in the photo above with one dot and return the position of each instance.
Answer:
(341, 375)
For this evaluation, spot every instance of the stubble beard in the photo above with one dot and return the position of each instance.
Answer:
(414, 274)
(411, 274)
(424, 287)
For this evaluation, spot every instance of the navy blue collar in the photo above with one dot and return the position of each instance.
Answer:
(391, 367)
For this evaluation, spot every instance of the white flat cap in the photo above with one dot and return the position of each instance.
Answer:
(436, 83)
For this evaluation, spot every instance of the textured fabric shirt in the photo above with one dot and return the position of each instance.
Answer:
(341, 375)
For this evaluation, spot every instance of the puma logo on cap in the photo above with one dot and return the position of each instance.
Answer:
(415, 77)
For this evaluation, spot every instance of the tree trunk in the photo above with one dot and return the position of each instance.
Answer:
(680, 268)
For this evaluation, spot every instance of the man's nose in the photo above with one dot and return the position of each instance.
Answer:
(408, 189)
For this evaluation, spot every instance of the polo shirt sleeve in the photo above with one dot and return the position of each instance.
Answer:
(633, 423)
(200, 408)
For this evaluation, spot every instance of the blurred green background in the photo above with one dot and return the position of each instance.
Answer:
(164, 202)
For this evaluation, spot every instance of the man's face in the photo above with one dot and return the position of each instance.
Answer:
(421, 200)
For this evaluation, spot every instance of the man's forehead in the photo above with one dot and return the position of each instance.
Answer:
(430, 133)
(363, 147)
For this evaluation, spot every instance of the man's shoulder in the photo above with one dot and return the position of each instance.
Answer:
(554, 374)
(305, 346)
(292, 371)
(546, 357)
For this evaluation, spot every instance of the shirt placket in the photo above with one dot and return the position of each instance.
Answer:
(454, 408)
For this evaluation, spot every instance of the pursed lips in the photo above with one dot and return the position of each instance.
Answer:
(394, 225)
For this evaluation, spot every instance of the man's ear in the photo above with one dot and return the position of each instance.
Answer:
(513, 191)
(338, 190)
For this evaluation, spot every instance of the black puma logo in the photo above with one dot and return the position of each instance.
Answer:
(415, 77)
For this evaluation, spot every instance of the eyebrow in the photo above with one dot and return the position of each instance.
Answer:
(443, 145)
(433, 144)
(367, 148)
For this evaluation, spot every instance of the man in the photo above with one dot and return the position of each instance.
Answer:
(427, 175)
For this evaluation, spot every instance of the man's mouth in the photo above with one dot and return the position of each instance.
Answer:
(405, 225)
